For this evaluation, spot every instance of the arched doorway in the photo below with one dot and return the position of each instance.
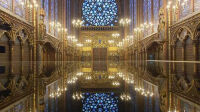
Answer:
(179, 57)
(17, 56)
(26, 57)
(4, 54)
(154, 52)
(4, 48)
(48, 52)
(189, 56)
(48, 57)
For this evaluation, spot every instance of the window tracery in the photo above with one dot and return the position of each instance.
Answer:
(100, 12)
(6, 3)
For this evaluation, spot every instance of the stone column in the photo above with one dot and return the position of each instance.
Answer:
(195, 43)
(183, 56)
(31, 55)
(22, 55)
(173, 56)
(39, 52)
(22, 51)
(39, 57)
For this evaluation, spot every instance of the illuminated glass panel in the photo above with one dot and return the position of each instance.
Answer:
(46, 8)
(6, 3)
(185, 10)
(52, 15)
(42, 3)
(29, 13)
(135, 13)
(149, 15)
(145, 6)
(100, 102)
(56, 15)
(19, 8)
(196, 5)
(161, 3)
(68, 16)
(156, 14)
(149, 11)
(100, 12)
(131, 12)
(145, 14)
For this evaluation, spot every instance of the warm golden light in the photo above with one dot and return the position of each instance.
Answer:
(125, 21)
(77, 23)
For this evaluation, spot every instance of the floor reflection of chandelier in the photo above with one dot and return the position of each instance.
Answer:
(116, 83)
(57, 93)
(77, 96)
(125, 97)
(144, 92)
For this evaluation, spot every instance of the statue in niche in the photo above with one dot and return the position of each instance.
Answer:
(162, 23)
(42, 26)
(182, 34)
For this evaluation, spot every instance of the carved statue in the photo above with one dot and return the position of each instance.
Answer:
(162, 23)
(42, 26)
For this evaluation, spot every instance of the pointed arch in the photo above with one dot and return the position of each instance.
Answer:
(181, 34)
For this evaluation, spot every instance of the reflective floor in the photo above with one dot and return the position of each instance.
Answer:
(137, 86)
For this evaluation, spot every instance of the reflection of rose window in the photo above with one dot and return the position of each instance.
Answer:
(100, 102)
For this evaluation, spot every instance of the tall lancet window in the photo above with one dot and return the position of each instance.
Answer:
(56, 16)
(100, 12)
(196, 5)
(135, 13)
(131, 12)
(52, 15)
(46, 19)
(186, 9)
(149, 15)
(156, 14)
(19, 8)
(145, 14)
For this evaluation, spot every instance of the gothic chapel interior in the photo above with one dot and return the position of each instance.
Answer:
(99, 55)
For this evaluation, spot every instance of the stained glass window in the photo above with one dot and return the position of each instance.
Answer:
(149, 14)
(52, 15)
(100, 12)
(19, 8)
(68, 17)
(56, 15)
(145, 13)
(135, 13)
(161, 3)
(131, 13)
(29, 11)
(46, 8)
(42, 3)
(100, 102)
(185, 10)
(145, 6)
(156, 14)
(196, 5)
(6, 3)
